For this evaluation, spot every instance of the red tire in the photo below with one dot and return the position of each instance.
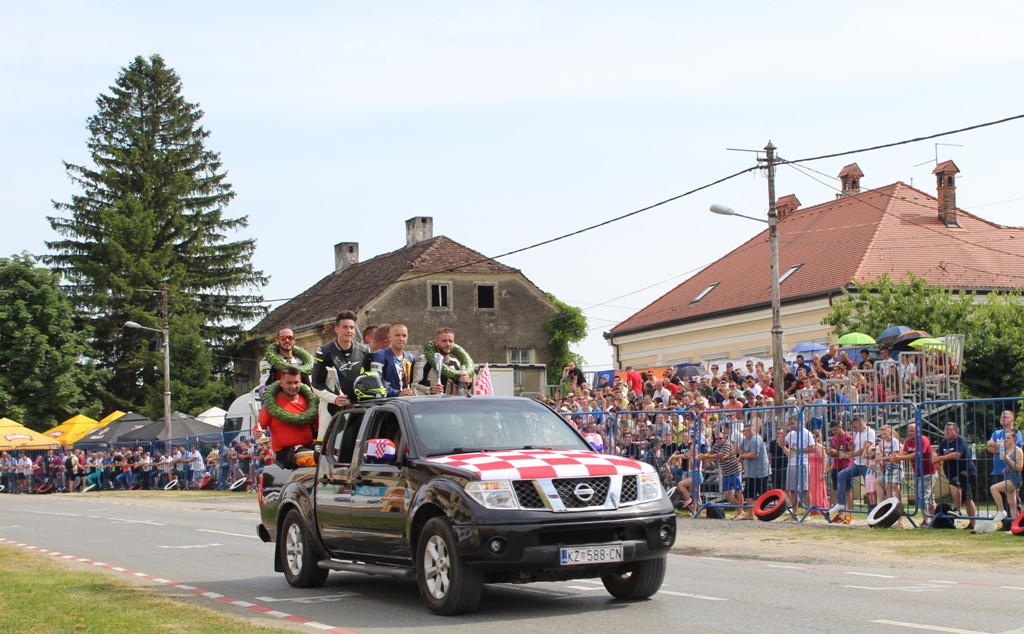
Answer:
(46, 487)
(770, 506)
(136, 487)
(207, 484)
(1017, 527)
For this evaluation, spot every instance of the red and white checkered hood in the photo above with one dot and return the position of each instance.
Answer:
(533, 464)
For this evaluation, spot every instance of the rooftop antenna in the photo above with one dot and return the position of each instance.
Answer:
(936, 159)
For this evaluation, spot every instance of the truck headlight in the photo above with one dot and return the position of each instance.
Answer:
(496, 494)
(649, 487)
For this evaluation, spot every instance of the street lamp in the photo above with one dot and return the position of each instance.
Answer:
(778, 378)
(167, 370)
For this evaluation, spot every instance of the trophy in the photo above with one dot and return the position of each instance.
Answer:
(439, 365)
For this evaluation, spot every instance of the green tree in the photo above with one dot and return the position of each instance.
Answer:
(994, 328)
(42, 367)
(151, 215)
(567, 327)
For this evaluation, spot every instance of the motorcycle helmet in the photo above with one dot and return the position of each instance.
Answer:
(368, 386)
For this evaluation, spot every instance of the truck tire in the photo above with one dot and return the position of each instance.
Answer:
(298, 556)
(640, 580)
(448, 587)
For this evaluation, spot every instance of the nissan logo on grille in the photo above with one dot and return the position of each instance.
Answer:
(583, 492)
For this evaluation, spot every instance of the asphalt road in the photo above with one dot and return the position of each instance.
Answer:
(191, 551)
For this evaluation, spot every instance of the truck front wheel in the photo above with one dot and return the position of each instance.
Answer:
(298, 556)
(640, 580)
(446, 584)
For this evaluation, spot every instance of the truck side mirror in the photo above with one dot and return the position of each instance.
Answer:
(379, 451)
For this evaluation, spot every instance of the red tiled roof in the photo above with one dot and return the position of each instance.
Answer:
(355, 287)
(892, 230)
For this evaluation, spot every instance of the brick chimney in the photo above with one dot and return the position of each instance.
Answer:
(345, 255)
(418, 229)
(850, 178)
(786, 205)
(945, 178)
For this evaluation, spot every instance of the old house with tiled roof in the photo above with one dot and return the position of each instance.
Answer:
(497, 313)
(724, 311)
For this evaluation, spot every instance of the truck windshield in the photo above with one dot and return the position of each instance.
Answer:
(488, 424)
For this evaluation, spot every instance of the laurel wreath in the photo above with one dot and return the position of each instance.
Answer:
(290, 418)
(447, 372)
(278, 362)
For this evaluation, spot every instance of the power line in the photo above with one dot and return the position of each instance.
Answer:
(906, 141)
(698, 189)
(564, 236)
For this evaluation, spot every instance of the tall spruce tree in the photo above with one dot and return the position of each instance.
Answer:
(151, 215)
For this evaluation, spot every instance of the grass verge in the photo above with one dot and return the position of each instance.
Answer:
(41, 596)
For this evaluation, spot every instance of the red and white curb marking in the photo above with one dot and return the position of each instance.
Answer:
(194, 590)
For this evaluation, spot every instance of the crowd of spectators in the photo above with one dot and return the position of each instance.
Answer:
(214, 465)
(694, 428)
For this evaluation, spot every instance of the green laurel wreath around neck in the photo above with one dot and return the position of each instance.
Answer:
(279, 363)
(449, 373)
(290, 418)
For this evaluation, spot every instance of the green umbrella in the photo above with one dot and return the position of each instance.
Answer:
(927, 341)
(855, 339)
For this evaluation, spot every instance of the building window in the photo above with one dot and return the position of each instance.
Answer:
(520, 356)
(440, 295)
(791, 271)
(485, 296)
(704, 292)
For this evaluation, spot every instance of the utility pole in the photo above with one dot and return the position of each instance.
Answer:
(778, 375)
(165, 306)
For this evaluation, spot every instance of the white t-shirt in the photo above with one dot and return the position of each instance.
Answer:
(799, 444)
(861, 438)
(197, 460)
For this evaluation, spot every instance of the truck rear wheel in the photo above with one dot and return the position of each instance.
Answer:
(298, 556)
(640, 580)
(446, 584)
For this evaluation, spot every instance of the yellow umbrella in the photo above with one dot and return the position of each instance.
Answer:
(72, 429)
(14, 435)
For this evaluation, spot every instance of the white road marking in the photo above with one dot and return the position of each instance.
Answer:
(14, 526)
(207, 530)
(921, 588)
(931, 628)
(324, 598)
(582, 587)
(869, 574)
(941, 581)
(785, 567)
(192, 546)
(692, 596)
(53, 513)
(125, 521)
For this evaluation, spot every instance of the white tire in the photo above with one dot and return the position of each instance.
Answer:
(170, 486)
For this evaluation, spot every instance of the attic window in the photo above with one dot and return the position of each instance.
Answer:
(791, 271)
(704, 292)
(439, 294)
(485, 296)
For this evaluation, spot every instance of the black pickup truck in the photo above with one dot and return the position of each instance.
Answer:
(456, 492)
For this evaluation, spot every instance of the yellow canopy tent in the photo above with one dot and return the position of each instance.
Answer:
(109, 418)
(14, 435)
(72, 429)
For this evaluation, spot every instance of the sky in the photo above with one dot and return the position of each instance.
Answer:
(512, 123)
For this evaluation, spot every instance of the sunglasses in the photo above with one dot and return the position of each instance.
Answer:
(286, 338)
